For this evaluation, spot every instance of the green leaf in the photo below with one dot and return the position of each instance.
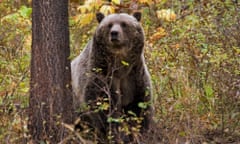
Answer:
(25, 12)
(116, 120)
(182, 133)
(11, 17)
(142, 105)
(97, 70)
(132, 113)
(125, 63)
(208, 90)
(42, 142)
(104, 106)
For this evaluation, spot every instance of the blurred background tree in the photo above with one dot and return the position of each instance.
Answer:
(192, 50)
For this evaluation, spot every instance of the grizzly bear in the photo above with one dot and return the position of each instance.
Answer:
(112, 68)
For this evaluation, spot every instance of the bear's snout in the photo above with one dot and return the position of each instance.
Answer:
(114, 36)
(115, 33)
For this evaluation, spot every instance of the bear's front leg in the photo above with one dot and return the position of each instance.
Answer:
(96, 99)
(142, 104)
(104, 105)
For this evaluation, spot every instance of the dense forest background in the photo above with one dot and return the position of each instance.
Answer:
(192, 50)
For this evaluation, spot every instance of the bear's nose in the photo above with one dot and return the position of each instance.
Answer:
(114, 33)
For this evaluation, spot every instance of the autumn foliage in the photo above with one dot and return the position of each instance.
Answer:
(192, 50)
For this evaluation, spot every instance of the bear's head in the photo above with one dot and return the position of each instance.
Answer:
(120, 33)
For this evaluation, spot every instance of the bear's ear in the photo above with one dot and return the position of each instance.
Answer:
(137, 15)
(99, 16)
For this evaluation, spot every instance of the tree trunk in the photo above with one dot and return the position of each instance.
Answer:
(50, 85)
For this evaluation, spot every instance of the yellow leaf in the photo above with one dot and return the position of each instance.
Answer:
(146, 1)
(106, 9)
(85, 19)
(175, 46)
(118, 2)
(83, 8)
(159, 34)
(166, 14)
(90, 2)
(125, 63)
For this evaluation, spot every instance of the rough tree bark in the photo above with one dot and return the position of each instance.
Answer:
(50, 89)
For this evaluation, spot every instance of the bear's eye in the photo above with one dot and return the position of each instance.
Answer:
(110, 25)
(123, 24)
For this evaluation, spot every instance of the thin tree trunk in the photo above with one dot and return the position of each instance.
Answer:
(50, 88)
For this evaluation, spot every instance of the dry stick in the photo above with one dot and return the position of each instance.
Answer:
(69, 127)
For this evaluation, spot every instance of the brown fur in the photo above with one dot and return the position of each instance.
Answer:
(113, 66)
